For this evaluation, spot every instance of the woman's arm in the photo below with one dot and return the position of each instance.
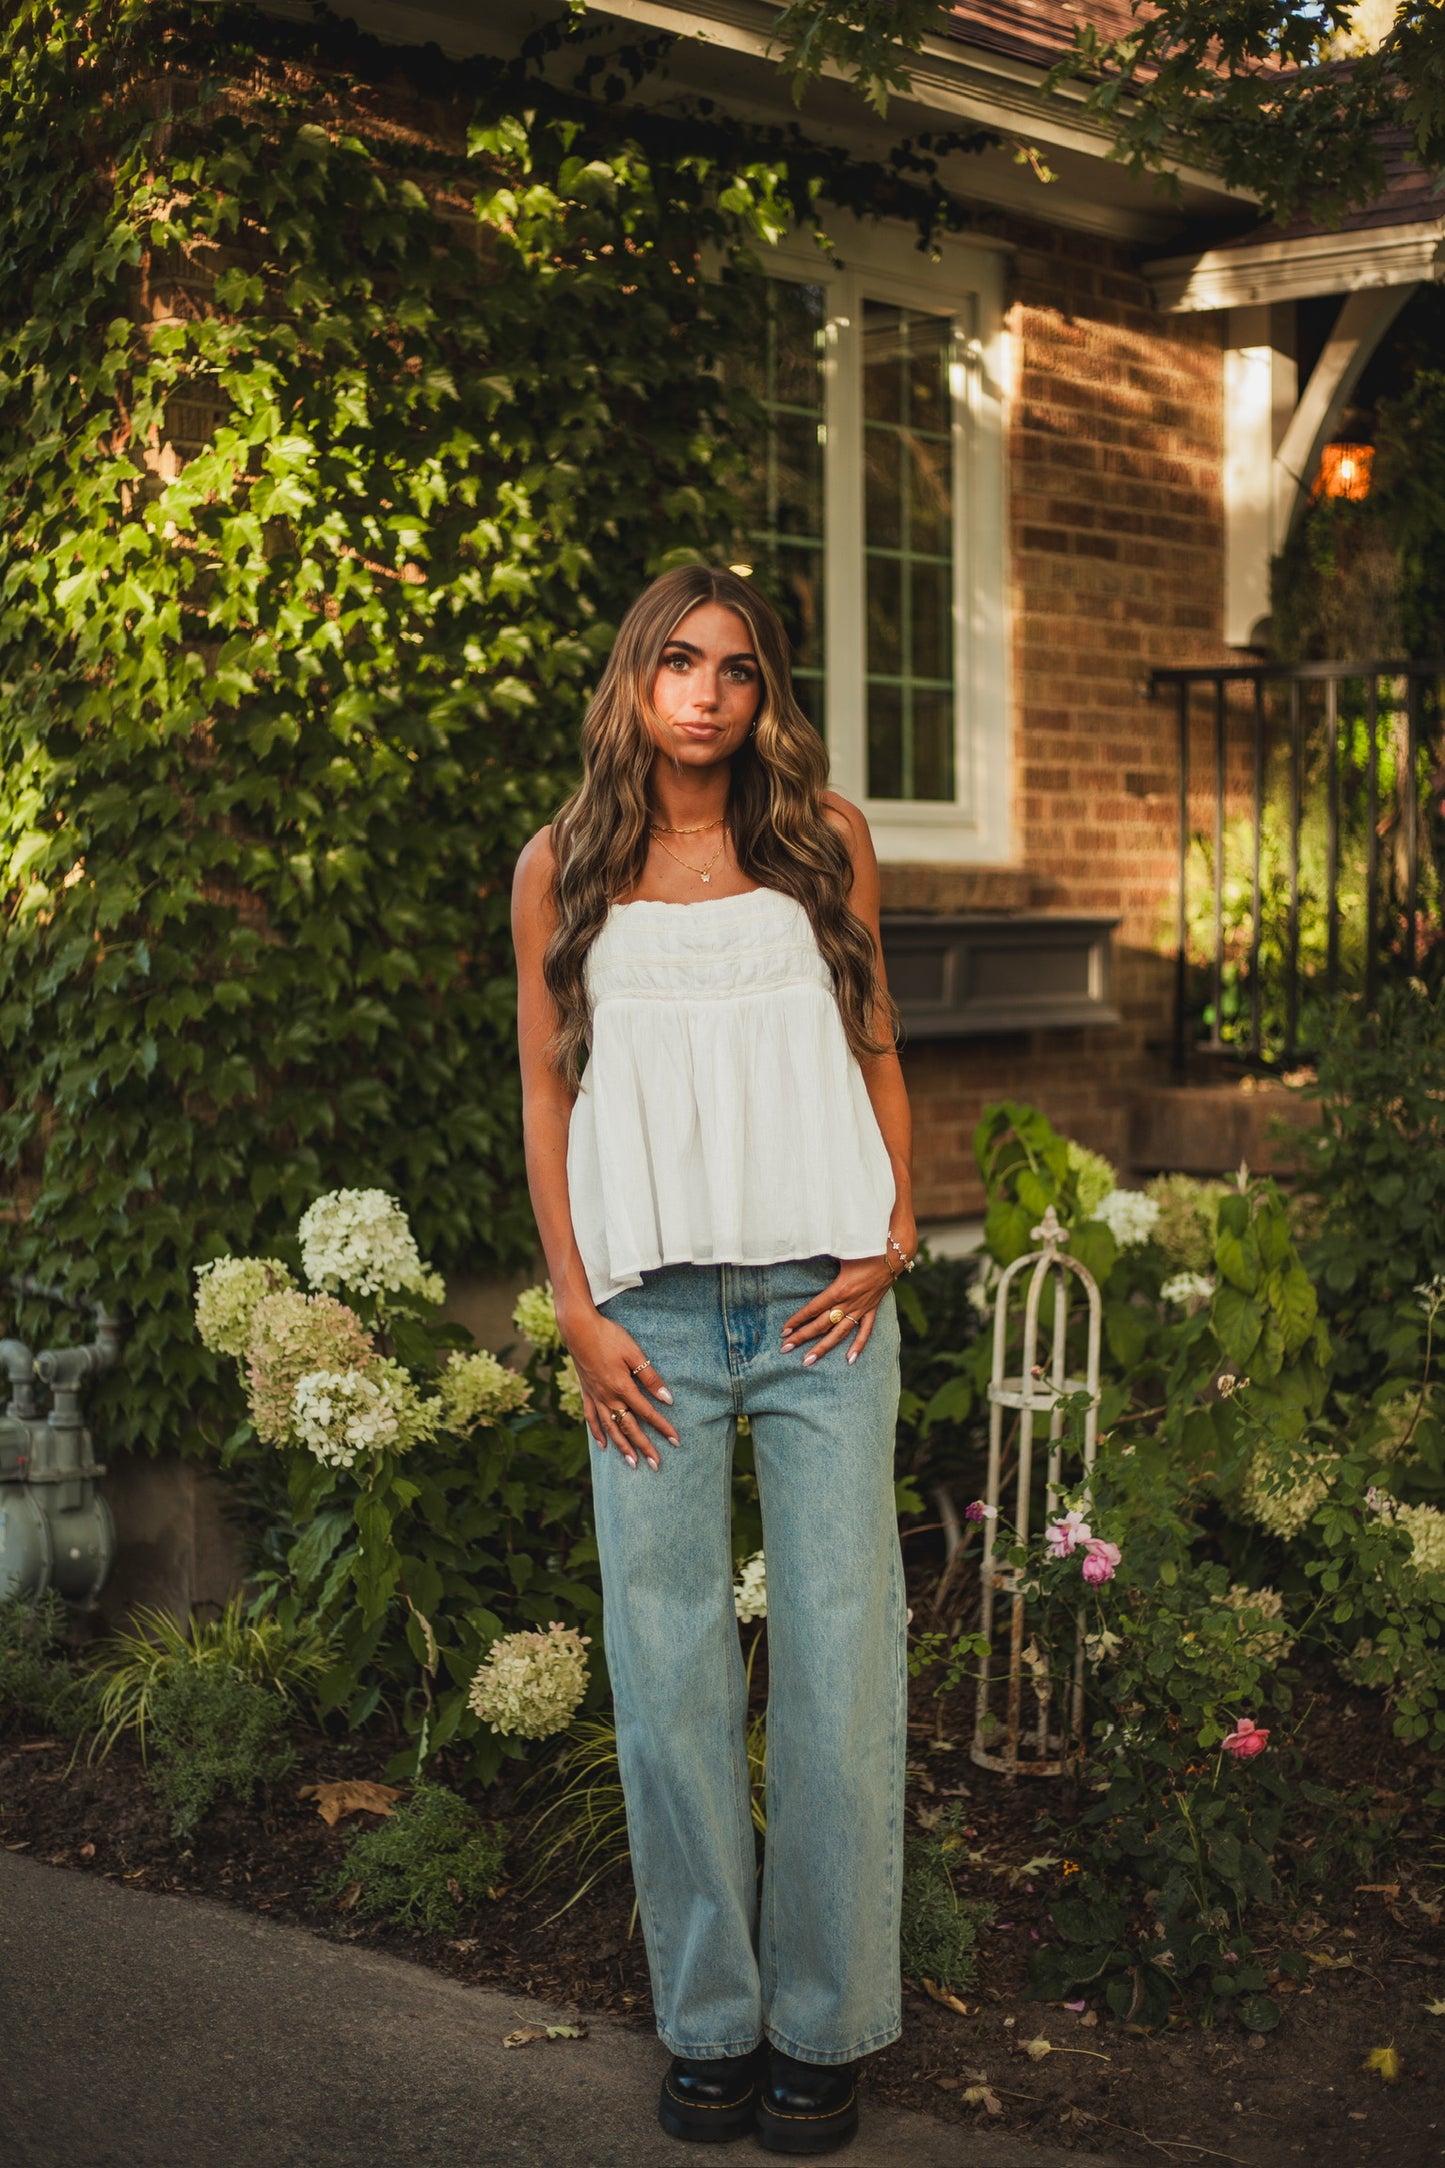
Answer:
(612, 1368)
(862, 1283)
(882, 1073)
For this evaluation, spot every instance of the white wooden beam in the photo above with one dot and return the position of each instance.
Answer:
(1362, 323)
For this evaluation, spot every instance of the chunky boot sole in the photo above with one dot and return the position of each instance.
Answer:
(807, 2133)
(702, 2125)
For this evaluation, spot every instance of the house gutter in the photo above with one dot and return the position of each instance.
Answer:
(966, 82)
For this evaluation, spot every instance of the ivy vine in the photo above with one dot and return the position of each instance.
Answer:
(345, 399)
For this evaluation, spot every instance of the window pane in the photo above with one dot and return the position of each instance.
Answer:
(932, 735)
(908, 542)
(783, 501)
(885, 617)
(885, 742)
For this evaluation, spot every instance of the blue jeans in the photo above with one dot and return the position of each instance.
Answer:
(811, 1959)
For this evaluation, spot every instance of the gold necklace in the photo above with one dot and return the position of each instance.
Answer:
(704, 873)
(701, 830)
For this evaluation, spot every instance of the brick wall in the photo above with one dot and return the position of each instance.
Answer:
(1116, 567)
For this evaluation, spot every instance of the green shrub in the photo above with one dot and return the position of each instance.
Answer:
(251, 1641)
(215, 1736)
(423, 1863)
(940, 1925)
(39, 1682)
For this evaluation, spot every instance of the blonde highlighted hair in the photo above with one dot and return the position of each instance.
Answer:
(781, 833)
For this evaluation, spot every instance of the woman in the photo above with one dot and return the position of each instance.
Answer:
(724, 1201)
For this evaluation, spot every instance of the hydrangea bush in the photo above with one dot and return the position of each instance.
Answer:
(425, 1502)
(1248, 1510)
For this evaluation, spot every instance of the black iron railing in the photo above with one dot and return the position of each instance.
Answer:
(1311, 846)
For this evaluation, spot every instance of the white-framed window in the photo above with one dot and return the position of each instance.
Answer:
(877, 524)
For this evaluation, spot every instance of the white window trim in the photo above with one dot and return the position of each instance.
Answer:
(877, 261)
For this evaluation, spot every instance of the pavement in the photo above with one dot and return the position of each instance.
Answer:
(148, 2031)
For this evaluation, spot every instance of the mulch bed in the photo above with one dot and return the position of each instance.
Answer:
(1186, 2094)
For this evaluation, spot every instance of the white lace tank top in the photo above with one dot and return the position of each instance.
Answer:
(721, 1118)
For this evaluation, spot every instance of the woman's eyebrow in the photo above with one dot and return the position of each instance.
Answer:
(744, 654)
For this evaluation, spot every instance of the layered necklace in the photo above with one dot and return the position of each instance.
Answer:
(704, 873)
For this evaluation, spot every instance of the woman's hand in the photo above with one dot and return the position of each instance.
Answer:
(847, 1305)
(616, 1379)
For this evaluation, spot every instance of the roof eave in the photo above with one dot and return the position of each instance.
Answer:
(1292, 268)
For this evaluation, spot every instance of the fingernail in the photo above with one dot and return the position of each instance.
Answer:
(654, 1465)
(809, 1359)
(852, 1355)
(664, 1396)
(631, 1459)
(788, 1346)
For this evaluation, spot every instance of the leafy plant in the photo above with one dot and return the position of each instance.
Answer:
(253, 1642)
(39, 1680)
(430, 1858)
(940, 1925)
(1375, 1170)
(216, 1736)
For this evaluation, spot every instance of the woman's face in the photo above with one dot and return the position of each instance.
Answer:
(707, 688)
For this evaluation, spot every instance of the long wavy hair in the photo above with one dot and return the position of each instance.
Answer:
(780, 832)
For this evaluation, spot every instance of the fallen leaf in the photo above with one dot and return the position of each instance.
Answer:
(1435, 2008)
(526, 2034)
(1328, 1962)
(87, 1851)
(1090, 2017)
(348, 1897)
(1038, 2049)
(1384, 2062)
(454, 1890)
(948, 2085)
(983, 2096)
(1377, 1889)
(941, 1994)
(355, 1795)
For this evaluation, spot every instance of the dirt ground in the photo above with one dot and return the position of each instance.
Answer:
(1374, 1940)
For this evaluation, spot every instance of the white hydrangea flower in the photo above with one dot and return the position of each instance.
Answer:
(227, 1292)
(360, 1239)
(1188, 1287)
(750, 1589)
(532, 1684)
(1094, 1177)
(1284, 1505)
(339, 1414)
(1129, 1215)
(1259, 1639)
(1425, 1526)
(535, 1317)
(569, 1389)
(476, 1389)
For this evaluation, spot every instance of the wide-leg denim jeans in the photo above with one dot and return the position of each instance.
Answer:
(811, 1959)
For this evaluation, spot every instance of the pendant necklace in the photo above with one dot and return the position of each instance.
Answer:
(704, 873)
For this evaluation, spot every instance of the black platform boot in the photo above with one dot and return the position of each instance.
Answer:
(807, 2107)
(710, 2101)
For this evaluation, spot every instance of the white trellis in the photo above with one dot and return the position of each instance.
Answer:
(1011, 1745)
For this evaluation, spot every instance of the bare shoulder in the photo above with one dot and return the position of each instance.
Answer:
(536, 869)
(534, 908)
(847, 817)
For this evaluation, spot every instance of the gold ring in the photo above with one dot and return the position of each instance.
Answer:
(617, 1414)
(850, 1319)
(645, 1364)
(837, 1314)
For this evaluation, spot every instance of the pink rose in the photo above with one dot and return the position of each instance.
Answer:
(1065, 1534)
(1100, 1560)
(1246, 1740)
